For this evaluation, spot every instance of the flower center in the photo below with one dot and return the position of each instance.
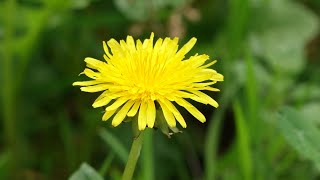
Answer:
(143, 93)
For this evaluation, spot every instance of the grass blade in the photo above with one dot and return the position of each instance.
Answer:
(243, 142)
(117, 147)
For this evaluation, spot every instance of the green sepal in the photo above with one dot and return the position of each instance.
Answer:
(135, 129)
(162, 124)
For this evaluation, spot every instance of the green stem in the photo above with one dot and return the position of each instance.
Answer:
(8, 95)
(133, 157)
(147, 159)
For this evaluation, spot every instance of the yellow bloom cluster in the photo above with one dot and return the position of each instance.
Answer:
(137, 76)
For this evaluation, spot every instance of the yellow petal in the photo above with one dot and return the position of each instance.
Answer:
(119, 117)
(175, 112)
(197, 60)
(189, 107)
(133, 111)
(209, 89)
(168, 115)
(106, 49)
(139, 45)
(145, 44)
(186, 48)
(180, 119)
(184, 95)
(117, 103)
(157, 45)
(200, 85)
(209, 64)
(142, 119)
(86, 83)
(102, 95)
(130, 43)
(95, 88)
(105, 98)
(101, 102)
(150, 45)
(105, 57)
(151, 114)
(206, 98)
(155, 54)
(94, 63)
(169, 48)
(108, 114)
(217, 77)
(115, 47)
(91, 74)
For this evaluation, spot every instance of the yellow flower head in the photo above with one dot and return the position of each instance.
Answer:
(137, 75)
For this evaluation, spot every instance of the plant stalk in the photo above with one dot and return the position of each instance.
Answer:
(8, 90)
(133, 157)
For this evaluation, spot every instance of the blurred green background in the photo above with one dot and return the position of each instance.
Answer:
(267, 125)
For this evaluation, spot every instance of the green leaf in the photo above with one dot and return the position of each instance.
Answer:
(311, 113)
(141, 10)
(80, 4)
(86, 172)
(305, 92)
(301, 134)
(280, 31)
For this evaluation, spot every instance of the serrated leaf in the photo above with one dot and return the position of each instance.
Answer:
(301, 134)
(86, 172)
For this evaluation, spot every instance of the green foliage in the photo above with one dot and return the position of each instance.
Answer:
(301, 133)
(281, 35)
(243, 143)
(86, 172)
(142, 10)
(115, 144)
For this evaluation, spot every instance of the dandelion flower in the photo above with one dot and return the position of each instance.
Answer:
(136, 77)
